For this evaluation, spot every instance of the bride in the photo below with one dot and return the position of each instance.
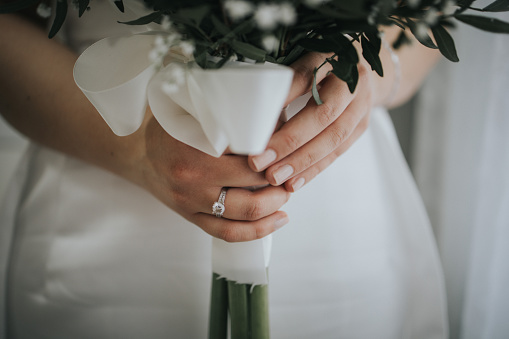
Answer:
(101, 234)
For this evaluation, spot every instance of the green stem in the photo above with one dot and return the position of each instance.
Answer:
(259, 312)
(218, 318)
(238, 305)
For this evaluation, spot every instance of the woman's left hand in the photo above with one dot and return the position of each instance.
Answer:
(318, 134)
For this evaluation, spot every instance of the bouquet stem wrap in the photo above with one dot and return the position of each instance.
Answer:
(236, 106)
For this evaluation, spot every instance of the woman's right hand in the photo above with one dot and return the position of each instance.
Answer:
(190, 181)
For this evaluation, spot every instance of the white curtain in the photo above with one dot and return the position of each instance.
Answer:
(461, 163)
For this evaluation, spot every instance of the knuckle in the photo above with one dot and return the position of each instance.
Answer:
(292, 141)
(325, 114)
(303, 76)
(260, 231)
(179, 198)
(254, 210)
(308, 160)
(181, 173)
(229, 234)
(338, 136)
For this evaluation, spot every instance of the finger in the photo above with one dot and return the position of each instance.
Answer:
(306, 125)
(303, 74)
(243, 204)
(193, 166)
(237, 231)
(298, 181)
(315, 150)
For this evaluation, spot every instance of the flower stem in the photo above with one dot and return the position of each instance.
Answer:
(218, 318)
(259, 312)
(239, 308)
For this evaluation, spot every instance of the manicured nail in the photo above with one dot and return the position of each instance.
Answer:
(298, 184)
(283, 173)
(263, 160)
(280, 223)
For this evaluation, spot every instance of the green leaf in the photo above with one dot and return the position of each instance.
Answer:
(82, 6)
(195, 14)
(317, 45)
(16, 6)
(424, 40)
(120, 5)
(60, 14)
(484, 23)
(248, 50)
(144, 20)
(345, 71)
(370, 53)
(445, 43)
(497, 6)
(314, 89)
(219, 25)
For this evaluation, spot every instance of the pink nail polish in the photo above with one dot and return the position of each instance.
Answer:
(280, 223)
(298, 184)
(263, 160)
(283, 173)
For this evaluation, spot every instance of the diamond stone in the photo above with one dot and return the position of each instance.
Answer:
(218, 209)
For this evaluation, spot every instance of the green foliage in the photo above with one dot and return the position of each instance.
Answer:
(333, 27)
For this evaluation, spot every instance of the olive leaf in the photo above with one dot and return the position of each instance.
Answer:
(445, 43)
(60, 14)
(486, 24)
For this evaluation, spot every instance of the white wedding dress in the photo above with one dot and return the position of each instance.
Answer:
(89, 255)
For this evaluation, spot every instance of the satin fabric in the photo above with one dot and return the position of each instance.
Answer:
(93, 256)
(461, 162)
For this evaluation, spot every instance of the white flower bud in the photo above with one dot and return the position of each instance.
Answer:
(421, 29)
(43, 10)
(187, 48)
(270, 43)
(315, 3)
(287, 14)
(449, 7)
(267, 16)
(238, 9)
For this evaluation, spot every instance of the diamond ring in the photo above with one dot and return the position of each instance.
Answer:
(218, 207)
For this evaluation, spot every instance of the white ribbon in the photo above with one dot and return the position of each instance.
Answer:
(236, 106)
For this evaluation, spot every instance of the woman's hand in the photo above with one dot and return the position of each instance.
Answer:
(318, 134)
(190, 181)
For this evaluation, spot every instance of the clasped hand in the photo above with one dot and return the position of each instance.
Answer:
(189, 181)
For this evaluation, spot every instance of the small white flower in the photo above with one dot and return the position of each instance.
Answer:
(421, 29)
(414, 3)
(165, 23)
(431, 16)
(187, 48)
(267, 16)
(270, 43)
(287, 14)
(449, 7)
(43, 10)
(238, 9)
(174, 77)
(315, 3)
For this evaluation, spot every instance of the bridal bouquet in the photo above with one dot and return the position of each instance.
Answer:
(189, 38)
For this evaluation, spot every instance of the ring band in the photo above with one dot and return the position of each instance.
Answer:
(218, 207)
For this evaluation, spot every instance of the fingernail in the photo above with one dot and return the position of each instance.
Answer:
(283, 173)
(263, 160)
(280, 223)
(298, 184)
